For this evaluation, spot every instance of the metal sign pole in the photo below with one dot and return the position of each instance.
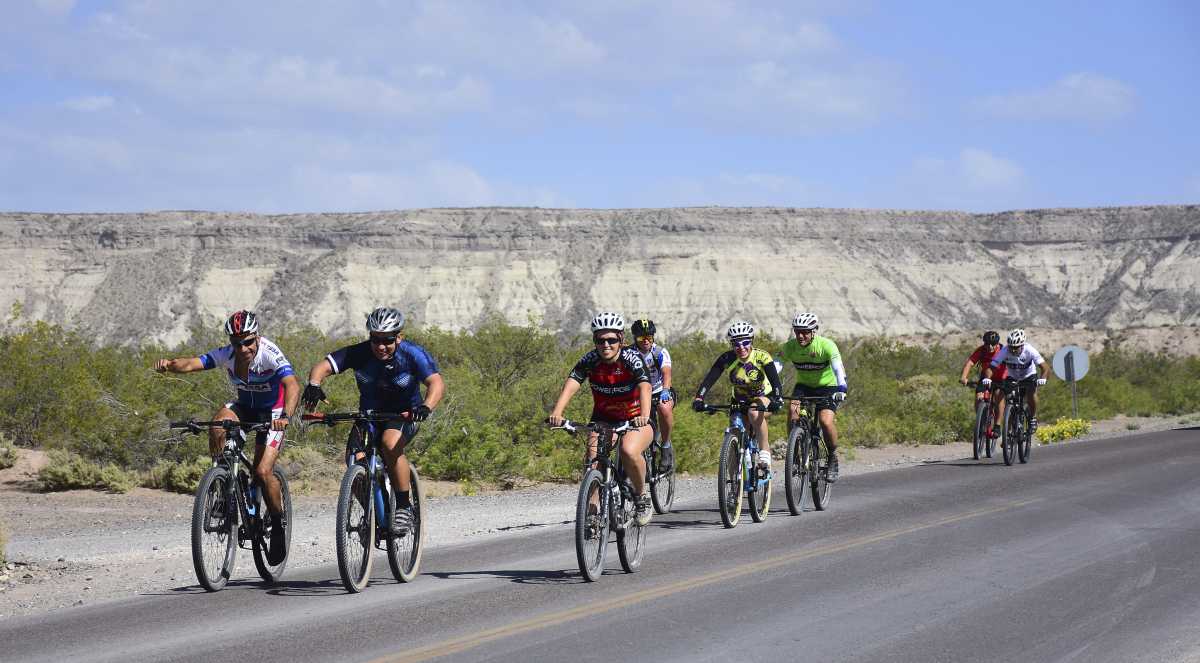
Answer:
(1069, 362)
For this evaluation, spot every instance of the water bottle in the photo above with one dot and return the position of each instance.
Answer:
(252, 503)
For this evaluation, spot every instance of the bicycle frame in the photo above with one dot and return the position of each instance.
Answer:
(242, 501)
(616, 484)
(752, 481)
(808, 418)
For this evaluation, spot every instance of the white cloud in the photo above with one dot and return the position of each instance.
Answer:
(1083, 96)
(984, 171)
(89, 104)
(974, 180)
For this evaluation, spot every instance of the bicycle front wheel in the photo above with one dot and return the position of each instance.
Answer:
(662, 484)
(591, 526)
(1012, 435)
(404, 552)
(981, 422)
(214, 529)
(262, 539)
(631, 543)
(990, 444)
(355, 536)
(730, 480)
(1026, 442)
(795, 469)
(819, 478)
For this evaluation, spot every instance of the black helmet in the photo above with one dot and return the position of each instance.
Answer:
(991, 338)
(643, 327)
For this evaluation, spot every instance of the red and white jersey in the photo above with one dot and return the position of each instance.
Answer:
(615, 385)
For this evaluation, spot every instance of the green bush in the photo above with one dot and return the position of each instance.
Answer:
(1063, 429)
(176, 476)
(68, 471)
(8, 454)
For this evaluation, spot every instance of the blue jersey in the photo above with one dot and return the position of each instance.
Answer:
(262, 388)
(388, 386)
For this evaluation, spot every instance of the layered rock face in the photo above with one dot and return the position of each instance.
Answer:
(127, 277)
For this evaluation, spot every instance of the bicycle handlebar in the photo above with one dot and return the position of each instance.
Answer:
(758, 407)
(194, 427)
(572, 427)
(331, 418)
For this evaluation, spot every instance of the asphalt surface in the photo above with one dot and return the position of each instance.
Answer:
(1088, 553)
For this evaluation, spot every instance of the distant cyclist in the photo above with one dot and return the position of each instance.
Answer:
(755, 378)
(662, 395)
(983, 356)
(267, 390)
(1023, 362)
(620, 393)
(819, 374)
(389, 371)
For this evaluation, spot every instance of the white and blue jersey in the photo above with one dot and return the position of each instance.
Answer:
(262, 389)
(657, 359)
(1020, 366)
(387, 386)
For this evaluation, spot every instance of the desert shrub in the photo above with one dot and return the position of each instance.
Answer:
(176, 476)
(67, 471)
(8, 454)
(1063, 429)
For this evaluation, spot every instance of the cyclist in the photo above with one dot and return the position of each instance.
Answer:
(983, 356)
(755, 378)
(620, 392)
(662, 394)
(1023, 362)
(389, 371)
(819, 373)
(267, 390)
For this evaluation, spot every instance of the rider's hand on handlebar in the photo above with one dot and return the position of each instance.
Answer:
(1041, 382)
(986, 382)
(279, 423)
(962, 381)
(640, 421)
(775, 405)
(698, 405)
(420, 412)
(555, 421)
(838, 396)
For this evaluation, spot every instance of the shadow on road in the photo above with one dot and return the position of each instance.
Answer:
(997, 461)
(524, 577)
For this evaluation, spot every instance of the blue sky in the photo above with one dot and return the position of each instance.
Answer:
(289, 106)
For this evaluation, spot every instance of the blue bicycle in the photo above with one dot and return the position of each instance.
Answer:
(738, 474)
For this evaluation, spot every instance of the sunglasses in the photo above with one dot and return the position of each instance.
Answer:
(645, 338)
(804, 332)
(744, 343)
(383, 340)
(244, 343)
(608, 340)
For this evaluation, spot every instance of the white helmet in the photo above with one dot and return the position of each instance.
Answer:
(241, 322)
(1016, 337)
(385, 319)
(806, 320)
(740, 329)
(608, 320)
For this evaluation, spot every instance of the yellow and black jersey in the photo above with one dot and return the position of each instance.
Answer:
(754, 376)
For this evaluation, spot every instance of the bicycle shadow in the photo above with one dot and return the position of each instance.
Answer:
(519, 576)
(692, 524)
(185, 590)
(327, 587)
(996, 461)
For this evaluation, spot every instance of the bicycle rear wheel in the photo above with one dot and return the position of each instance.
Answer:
(355, 536)
(818, 477)
(991, 414)
(404, 552)
(1012, 434)
(760, 493)
(795, 468)
(1026, 442)
(214, 529)
(662, 483)
(266, 571)
(981, 422)
(631, 542)
(730, 480)
(591, 526)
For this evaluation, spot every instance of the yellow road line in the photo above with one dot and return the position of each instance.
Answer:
(467, 642)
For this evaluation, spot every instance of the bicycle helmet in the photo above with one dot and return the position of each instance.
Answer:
(740, 329)
(608, 320)
(385, 319)
(242, 322)
(1016, 337)
(643, 327)
(991, 337)
(806, 321)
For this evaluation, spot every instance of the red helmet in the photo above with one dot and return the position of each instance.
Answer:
(242, 322)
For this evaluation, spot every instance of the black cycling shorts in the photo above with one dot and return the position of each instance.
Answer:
(801, 391)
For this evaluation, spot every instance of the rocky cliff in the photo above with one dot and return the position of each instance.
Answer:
(127, 276)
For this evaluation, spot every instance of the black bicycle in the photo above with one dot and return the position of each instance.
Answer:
(985, 416)
(661, 481)
(738, 473)
(804, 464)
(366, 505)
(605, 504)
(228, 511)
(1018, 436)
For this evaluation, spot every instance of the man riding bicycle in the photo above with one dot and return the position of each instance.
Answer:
(662, 395)
(267, 390)
(389, 371)
(983, 356)
(755, 378)
(1022, 362)
(819, 374)
(620, 393)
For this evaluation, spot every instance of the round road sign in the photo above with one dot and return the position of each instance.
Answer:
(1079, 358)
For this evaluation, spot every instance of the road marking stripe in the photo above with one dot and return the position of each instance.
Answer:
(467, 642)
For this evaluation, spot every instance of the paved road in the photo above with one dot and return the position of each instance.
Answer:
(1089, 553)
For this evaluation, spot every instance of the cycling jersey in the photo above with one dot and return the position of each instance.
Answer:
(752, 377)
(387, 386)
(983, 358)
(262, 389)
(614, 386)
(657, 359)
(819, 364)
(1020, 366)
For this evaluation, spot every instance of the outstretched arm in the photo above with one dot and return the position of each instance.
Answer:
(180, 365)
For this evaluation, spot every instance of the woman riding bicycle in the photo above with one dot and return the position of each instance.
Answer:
(620, 392)
(755, 378)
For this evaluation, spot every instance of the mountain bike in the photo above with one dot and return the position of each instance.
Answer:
(366, 504)
(660, 481)
(738, 473)
(1018, 438)
(605, 504)
(985, 417)
(804, 464)
(228, 511)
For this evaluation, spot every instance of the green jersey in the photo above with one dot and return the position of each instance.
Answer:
(814, 364)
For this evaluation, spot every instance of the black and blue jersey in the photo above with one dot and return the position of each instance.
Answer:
(389, 386)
